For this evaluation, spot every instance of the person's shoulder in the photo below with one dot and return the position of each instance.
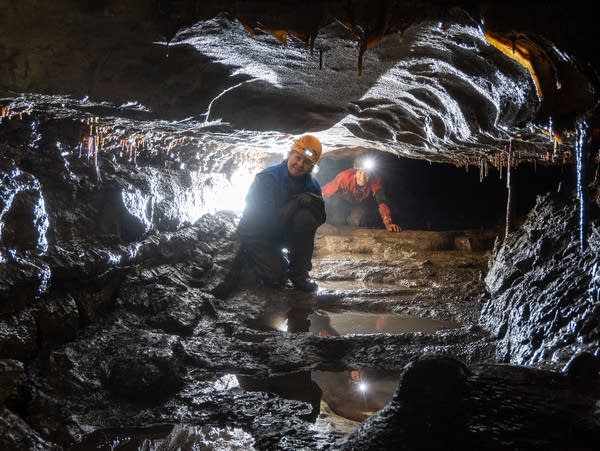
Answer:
(313, 184)
(271, 170)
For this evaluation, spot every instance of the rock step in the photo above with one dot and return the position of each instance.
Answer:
(385, 245)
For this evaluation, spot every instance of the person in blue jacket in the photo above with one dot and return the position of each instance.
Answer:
(284, 208)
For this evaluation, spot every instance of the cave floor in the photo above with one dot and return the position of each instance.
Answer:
(436, 274)
(387, 296)
(153, 338)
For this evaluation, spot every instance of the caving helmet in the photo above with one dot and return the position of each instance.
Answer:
(309, 147)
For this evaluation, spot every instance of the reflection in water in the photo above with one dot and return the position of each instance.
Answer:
(343, 323)
(324, 323)
(355, 394)
(298, 386)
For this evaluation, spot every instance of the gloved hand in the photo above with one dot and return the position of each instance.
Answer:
(314, 203)
(307, 200)
(393, 227)
(389, 225)
(310, 201)
(288, 210)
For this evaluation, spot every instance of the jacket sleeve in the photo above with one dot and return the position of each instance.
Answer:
(261, 215)
(382, 205)
(385, 213)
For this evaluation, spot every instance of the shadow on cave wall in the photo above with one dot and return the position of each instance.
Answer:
(436, 196)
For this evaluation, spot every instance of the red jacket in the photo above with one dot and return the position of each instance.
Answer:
(345, 184)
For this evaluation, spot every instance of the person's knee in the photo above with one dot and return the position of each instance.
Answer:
(305, 221)
(336, 219)
(357, 217)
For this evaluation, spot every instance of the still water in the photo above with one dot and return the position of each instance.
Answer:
(329, 323)
(353, 394)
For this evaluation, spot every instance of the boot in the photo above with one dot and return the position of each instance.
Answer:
(304, 283)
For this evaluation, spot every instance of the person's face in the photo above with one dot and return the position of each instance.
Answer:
(298, 165)
(362, 177)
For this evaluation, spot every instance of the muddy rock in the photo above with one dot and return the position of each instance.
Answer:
(16, 434)
(143, 379)
(58, 320)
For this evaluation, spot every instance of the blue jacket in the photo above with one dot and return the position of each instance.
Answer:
(270, 191)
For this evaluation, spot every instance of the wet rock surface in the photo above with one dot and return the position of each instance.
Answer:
(442, 404)
(126, 332)
(543, 306)
(122, 127)
(413, 79)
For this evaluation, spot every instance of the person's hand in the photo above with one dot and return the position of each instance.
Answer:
(307, 199)
(393, 227)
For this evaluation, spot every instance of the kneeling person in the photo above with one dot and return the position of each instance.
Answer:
(284, 208)
(354, 194)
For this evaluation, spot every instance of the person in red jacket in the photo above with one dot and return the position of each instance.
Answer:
(354, 193)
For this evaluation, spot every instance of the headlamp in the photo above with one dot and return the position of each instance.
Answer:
(368, 165)
(365, 164)
(309, 153)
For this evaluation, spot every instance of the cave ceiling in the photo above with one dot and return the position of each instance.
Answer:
(194, 81)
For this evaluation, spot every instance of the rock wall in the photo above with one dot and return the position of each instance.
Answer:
(74, 237)
(544, 305)
(70, 232)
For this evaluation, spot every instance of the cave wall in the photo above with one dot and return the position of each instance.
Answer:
(69, 231)
(544, 291)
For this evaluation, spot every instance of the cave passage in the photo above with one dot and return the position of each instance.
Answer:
(129, 133)
(440, 196)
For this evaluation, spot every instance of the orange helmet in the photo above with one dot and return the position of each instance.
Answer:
(309, 147)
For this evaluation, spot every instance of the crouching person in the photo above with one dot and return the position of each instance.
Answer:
(284, 208)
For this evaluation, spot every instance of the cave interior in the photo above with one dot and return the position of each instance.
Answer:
(129, 134)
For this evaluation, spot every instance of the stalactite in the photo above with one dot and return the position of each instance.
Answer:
(130, 145)
(4, 112)
(500, 164)
(483, 169)
(92, 143)
(555, 151)
(362, 47)
(7, 113)
(580, 148)
(509, 191)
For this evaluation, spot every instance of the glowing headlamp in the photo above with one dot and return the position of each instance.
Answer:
(309, 153)
(365, 164)
(368, 165)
